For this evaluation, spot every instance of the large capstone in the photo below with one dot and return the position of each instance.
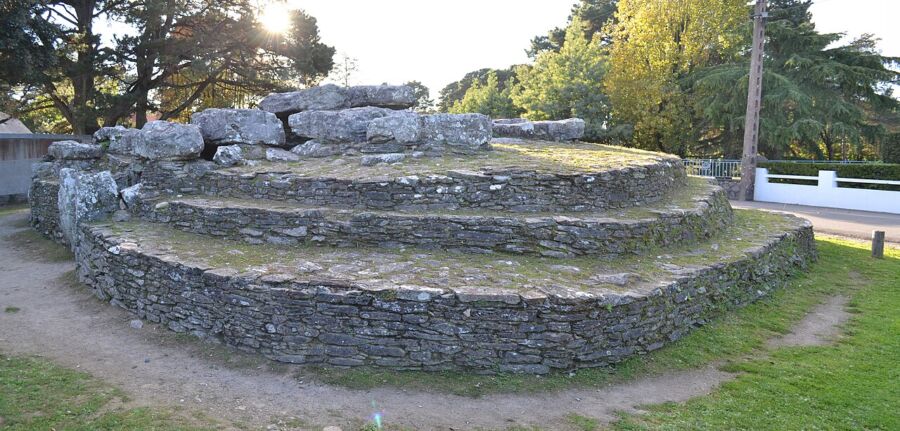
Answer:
(118, 139)
(384, 96)
(239, 126)
(84, 197)
(169, 141)
(330, 127)
(74, 150)
(562, 130)
(457, 132)
(322, 98)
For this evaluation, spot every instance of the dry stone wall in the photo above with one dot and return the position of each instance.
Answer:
(299, 321)
(553, 236)
(517, 191)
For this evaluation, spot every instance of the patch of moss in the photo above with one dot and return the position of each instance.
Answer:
(547, 156)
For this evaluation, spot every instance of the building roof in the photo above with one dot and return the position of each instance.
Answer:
(11, 125)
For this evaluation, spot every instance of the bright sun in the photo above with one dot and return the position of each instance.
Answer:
(276, 17)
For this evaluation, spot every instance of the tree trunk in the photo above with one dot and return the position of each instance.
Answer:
(83, 74)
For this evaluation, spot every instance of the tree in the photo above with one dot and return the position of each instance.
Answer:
(347, 66)
(424, 103)
(568, 83)
(818, 99)
(656, 44)
(488, 99)
(184, 47)
(594, 16)
(455, 91)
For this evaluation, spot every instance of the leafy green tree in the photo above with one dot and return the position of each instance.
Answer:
(655, 45)
(424, 103)
(488, 99)
(568, 83)
(594, 15)
(818, 97)
(183, 47)
(455, 91)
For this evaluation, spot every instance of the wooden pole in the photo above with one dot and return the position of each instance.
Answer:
(754, 100)
(878, 244)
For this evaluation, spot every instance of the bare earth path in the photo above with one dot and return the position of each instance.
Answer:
(71, 328)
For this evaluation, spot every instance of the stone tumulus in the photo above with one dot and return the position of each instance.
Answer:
(334, 226)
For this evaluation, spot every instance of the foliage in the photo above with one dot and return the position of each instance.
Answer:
(594, 16)
(655, 45)
(850, 385)
(185, 50)
(817, 97)
(424, 103)
(874, 171)
(567, 84)
(890, 149)
(454, 91)
(487, 98)
(345, 68)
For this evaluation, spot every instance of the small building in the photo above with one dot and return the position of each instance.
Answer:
(9, 124)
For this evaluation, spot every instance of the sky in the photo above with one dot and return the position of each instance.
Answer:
(438, 41)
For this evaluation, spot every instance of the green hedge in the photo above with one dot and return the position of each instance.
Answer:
(874, 171)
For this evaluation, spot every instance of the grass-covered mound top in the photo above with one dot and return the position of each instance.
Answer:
(508, 155)
(378, 267)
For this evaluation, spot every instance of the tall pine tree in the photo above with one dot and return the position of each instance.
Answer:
(817, 97)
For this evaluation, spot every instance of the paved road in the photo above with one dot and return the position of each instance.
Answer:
(852, 223)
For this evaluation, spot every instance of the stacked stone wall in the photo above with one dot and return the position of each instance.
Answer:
(44, 201)
(540, 235)
(426, 328)
(517, 191)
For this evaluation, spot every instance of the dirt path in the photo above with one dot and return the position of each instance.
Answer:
(70, 327)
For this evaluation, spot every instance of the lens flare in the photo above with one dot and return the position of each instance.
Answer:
(275, 17)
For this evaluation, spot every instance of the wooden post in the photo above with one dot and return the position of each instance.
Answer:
(754, 100)
(878, 244)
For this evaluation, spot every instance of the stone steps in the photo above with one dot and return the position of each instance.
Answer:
(697, 211)
(436, 309)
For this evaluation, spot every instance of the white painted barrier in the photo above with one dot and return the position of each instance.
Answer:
(826, 193)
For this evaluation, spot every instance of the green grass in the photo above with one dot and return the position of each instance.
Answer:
(530, 155)
(729, 339)
(34, 245)
(11, 209)
(37, 395)
(851, 385)
(12, 310)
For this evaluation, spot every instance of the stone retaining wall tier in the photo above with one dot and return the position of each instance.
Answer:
(421, 328)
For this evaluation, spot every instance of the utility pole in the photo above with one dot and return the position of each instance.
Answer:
(754, 100)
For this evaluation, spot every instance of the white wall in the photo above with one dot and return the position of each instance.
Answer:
(826, 193)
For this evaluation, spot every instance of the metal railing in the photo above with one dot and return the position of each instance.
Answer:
(717, 168)
(731, 168)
